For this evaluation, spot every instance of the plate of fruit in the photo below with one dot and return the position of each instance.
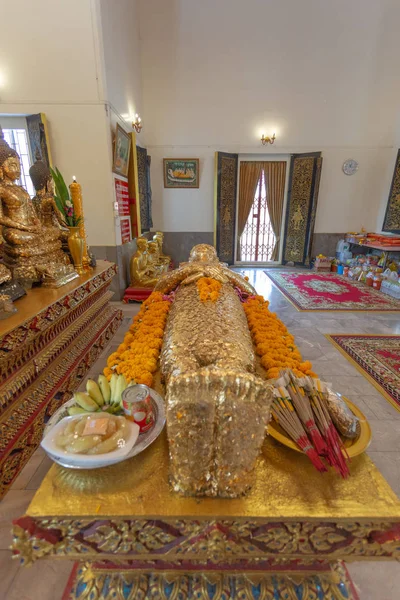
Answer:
(91, 440)
(103, 398)
(100, 396)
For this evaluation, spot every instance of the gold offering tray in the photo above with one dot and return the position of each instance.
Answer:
(293, 517)
(286, 486)
(353, 447)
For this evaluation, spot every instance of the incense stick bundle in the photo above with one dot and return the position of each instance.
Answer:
(284, 413)
(336, 452)
(300, 407)
(337, 458)
(304, 410)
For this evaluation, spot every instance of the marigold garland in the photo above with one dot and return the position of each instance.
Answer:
(137, 356)
(209, 289)
(273, 341)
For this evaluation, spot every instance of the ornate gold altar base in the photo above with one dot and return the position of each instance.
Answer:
(46, 349)
(293, 523)
(104, 581)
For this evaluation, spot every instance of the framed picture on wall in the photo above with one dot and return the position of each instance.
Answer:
(181, 173)
(122, 150)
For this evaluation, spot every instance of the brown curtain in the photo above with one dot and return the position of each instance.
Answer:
(275, 173)
(249, 175)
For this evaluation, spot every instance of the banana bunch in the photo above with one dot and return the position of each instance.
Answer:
(100, 396)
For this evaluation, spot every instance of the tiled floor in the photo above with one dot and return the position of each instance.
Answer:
(376, 581)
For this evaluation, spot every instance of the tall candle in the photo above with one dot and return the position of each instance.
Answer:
(76, 197)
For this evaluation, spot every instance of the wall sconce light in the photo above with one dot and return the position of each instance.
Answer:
(267, 140)
(137, 124)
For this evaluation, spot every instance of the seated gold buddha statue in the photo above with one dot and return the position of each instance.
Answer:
(44, 202)
(155, 265)
(141, 269)
(26, 243)
(164, 259)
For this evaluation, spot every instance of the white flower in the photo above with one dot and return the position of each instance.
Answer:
(68, 203)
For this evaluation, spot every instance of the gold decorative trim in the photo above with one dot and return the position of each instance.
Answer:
(14, 386)
(209, 542)
(391, 221)
(227, 169)
(215, 198)
(21, 435)
(298, 209)
(90, 581)
(134, 163)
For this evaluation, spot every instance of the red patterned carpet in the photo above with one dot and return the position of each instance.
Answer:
(308, 290)
(377, 357)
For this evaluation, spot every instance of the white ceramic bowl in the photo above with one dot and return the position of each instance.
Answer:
(90, 461)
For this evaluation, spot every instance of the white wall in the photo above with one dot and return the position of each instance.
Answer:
(323, 75)
(120, 40)
(48, 52)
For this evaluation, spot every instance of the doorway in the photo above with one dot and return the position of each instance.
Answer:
(261, 200)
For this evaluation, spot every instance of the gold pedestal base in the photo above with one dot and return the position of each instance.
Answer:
(105, 581)
(56, 283)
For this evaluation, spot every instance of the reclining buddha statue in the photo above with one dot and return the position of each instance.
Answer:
(27, 244)
(217, 407)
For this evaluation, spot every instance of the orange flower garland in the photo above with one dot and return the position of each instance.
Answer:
(137, 356)
(273, 341)
(208, 289)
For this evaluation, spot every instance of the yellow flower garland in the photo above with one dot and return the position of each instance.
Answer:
(273, 341)
(137, 356)
(209, 289)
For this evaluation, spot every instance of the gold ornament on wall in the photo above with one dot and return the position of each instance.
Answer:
(268, 140)
(137, 124)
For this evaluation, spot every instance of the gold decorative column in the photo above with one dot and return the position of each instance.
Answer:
(76, 197)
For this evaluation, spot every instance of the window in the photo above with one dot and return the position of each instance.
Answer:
(17, 139)
(258, 240)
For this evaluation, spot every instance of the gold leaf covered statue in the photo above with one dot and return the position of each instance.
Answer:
(203, 262)
(5, 274)
(26, 242)
(44, 202)
(145, 267)
(164, 259)
(217, 407)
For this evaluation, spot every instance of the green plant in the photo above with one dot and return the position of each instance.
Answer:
(63, 200)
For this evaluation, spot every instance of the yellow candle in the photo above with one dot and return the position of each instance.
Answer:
(76, 197)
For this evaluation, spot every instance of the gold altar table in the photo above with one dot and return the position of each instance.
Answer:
(46, 348)
(145, 541)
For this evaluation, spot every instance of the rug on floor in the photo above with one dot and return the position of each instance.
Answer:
(309, 291)
(103, 584)
(377, 357)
